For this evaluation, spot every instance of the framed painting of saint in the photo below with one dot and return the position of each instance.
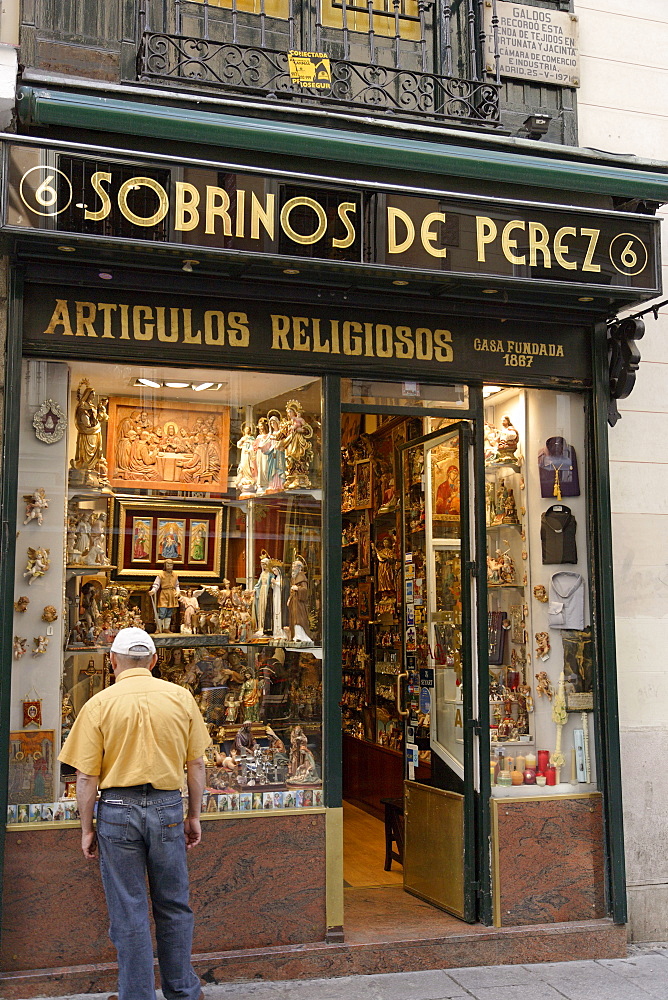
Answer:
(149, 531)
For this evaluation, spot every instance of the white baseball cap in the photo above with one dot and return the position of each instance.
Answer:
(133, 642)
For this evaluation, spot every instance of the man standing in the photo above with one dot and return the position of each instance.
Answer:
(133, 740)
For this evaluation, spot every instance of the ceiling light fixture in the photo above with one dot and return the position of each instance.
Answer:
(177, 385)
(67, 249)
(202, 385)
(399, 282)
(105, 275)
(586, 298)
(490, 291)
(290, 270)
(489, 390)
(149, 382)
(188, 265)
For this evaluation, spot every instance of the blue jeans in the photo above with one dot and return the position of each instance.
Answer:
(140, 832)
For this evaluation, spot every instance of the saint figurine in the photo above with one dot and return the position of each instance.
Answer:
(90, 416)
(267, 612)
(507, 441)
(298, 603)
(298, 447)
(166, 587)
(386, 572)
(246, 469)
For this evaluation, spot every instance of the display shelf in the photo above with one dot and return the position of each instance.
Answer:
(496, 466)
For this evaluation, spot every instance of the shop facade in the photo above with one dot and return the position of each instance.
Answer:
(366, 422)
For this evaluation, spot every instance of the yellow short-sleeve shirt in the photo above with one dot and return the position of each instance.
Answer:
(140, 730)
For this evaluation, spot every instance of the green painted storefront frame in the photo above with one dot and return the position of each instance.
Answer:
(606, 718)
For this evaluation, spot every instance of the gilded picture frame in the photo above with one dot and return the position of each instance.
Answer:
(185, 531)
(167, 445)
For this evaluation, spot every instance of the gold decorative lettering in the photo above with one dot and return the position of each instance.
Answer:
(265, 215)
(319, 346)
(429, 238)
(344, 208)
(485, 229)
(96, 184)
(140, 332)
(539, 239)
(132, 184)
(293, 234)
(107, 308)
(351, 345)
(280, 326)
(424, 347)
(86, 312)
(443, 345)
(509, 245)
(186, 216)
(125, 334)
(560, 249)
(404, 347)
(216, 336)
(60, 317)
(188, 336)
(300, 341)
(217, 206)
(593, 235)
(393, 216)
(334, 327)
(384, 341)
(240, 213)
(238, 332)
(368, 340)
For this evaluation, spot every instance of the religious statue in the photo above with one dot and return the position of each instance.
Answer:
(302, 768)
(297, 446)
(50, 614)
(90, 416)
(39, 561)
(298, 603)
(249, 696)
(387, 560)
(21, 605)
(244, 741)
(20, 647)
(189, 607)
(261, 448)
(267, 603)
(276, 455)
(510, 510)
(231, 704)
(36, 503)
(507, 441)
(246, 469)
(166, 587)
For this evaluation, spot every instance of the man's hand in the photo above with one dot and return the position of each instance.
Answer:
(89, 845)
(193, 832)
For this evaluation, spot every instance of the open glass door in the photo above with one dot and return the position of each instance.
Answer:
(437, 580)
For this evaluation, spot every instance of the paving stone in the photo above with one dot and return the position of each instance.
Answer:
(538, 991)
(493, 976)
(417, 986)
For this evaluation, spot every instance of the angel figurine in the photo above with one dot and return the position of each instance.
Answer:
(297, 447)
(36, 503)
(38, 563)
(20, 647)
(40, 642)
(21, 605)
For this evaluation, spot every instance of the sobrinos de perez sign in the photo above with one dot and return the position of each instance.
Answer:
(232, 331)
(243, 215)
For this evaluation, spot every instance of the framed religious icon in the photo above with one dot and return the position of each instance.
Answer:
(578, 670)
(148, 532)
(363, 546)
(363, 484)
(31, 757)
(445, 488)
(167, 445)
(364, 608)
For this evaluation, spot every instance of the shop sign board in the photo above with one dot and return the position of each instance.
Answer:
(197, 209)
(103, 323)
(535, 43)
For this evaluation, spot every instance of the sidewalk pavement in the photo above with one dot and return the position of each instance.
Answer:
(641, 976)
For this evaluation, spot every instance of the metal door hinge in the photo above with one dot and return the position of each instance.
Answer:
(472, 568)
(474, 724)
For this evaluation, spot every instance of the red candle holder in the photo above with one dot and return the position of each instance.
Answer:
(551, 775)
(543, 760)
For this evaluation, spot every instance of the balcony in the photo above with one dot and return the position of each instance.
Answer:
(402, 60)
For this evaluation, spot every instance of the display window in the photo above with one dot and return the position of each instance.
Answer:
(188, 503)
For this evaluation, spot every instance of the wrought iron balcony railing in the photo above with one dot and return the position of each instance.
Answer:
(258, 71)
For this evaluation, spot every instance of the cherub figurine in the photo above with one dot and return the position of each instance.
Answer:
(38, 563)
(542, 645)
(21, 606)
(40, 642)
(36, 503)
(20, 647)
(49, 614)
(544, 687)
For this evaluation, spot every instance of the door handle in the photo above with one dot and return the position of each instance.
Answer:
(400, 710)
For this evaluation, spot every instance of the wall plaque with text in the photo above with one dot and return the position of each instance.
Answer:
(535, 43)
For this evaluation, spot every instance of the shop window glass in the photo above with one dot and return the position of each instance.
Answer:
(204, 484)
